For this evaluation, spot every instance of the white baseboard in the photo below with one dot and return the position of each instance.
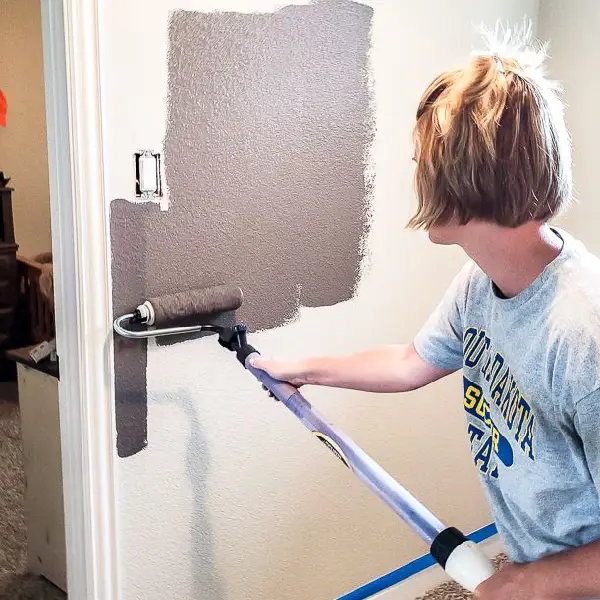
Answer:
(422, 582)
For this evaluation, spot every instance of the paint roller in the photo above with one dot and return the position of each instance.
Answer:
(461, 558)
(173, 308)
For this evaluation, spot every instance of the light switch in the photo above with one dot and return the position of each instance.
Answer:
(148, 177)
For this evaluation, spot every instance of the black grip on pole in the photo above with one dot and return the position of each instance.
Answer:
(244, 352)
(446, 543)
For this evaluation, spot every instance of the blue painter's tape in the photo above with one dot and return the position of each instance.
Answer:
(391, 579)
(484, 533)
(410, 569)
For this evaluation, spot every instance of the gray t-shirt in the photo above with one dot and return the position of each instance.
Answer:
(531, 372)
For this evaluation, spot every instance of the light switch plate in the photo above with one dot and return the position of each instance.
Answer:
(148, 175)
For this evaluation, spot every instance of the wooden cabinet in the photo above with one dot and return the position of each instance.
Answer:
(8, 276)
(44, 507)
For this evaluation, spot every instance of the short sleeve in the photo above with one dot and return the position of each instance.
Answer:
(439, 342)
(587, 424)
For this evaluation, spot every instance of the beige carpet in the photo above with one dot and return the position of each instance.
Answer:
(452, 591)
(15, 583)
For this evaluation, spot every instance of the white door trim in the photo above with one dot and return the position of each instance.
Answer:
(80, 246)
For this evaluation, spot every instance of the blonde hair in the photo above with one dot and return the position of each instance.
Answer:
(490, 139)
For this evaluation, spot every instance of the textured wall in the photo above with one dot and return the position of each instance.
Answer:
(233, 498)
(23, 150)
(269, 126)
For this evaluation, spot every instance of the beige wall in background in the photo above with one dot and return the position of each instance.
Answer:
(23, 150)
(573, 30)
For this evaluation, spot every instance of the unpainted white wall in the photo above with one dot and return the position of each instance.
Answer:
(23, 149)
(573, 30)
(233, 498)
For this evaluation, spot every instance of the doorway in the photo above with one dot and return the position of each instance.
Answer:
(32, 532)
(81, 316)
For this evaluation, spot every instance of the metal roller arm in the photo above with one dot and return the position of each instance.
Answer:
(123, 331)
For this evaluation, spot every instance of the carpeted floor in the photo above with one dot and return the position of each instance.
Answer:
(452, 591)
(15, 583)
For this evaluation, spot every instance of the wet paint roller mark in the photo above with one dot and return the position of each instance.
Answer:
(128, 244)
(269, 123)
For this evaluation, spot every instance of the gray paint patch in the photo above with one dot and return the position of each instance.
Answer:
(128, 244)
(269, 124)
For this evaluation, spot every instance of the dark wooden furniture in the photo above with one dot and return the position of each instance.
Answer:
(36, 312)
(9, 283)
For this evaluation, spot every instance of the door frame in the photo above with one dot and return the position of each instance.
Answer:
(80, 245)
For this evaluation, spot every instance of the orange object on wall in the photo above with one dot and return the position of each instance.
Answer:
(3, 109)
